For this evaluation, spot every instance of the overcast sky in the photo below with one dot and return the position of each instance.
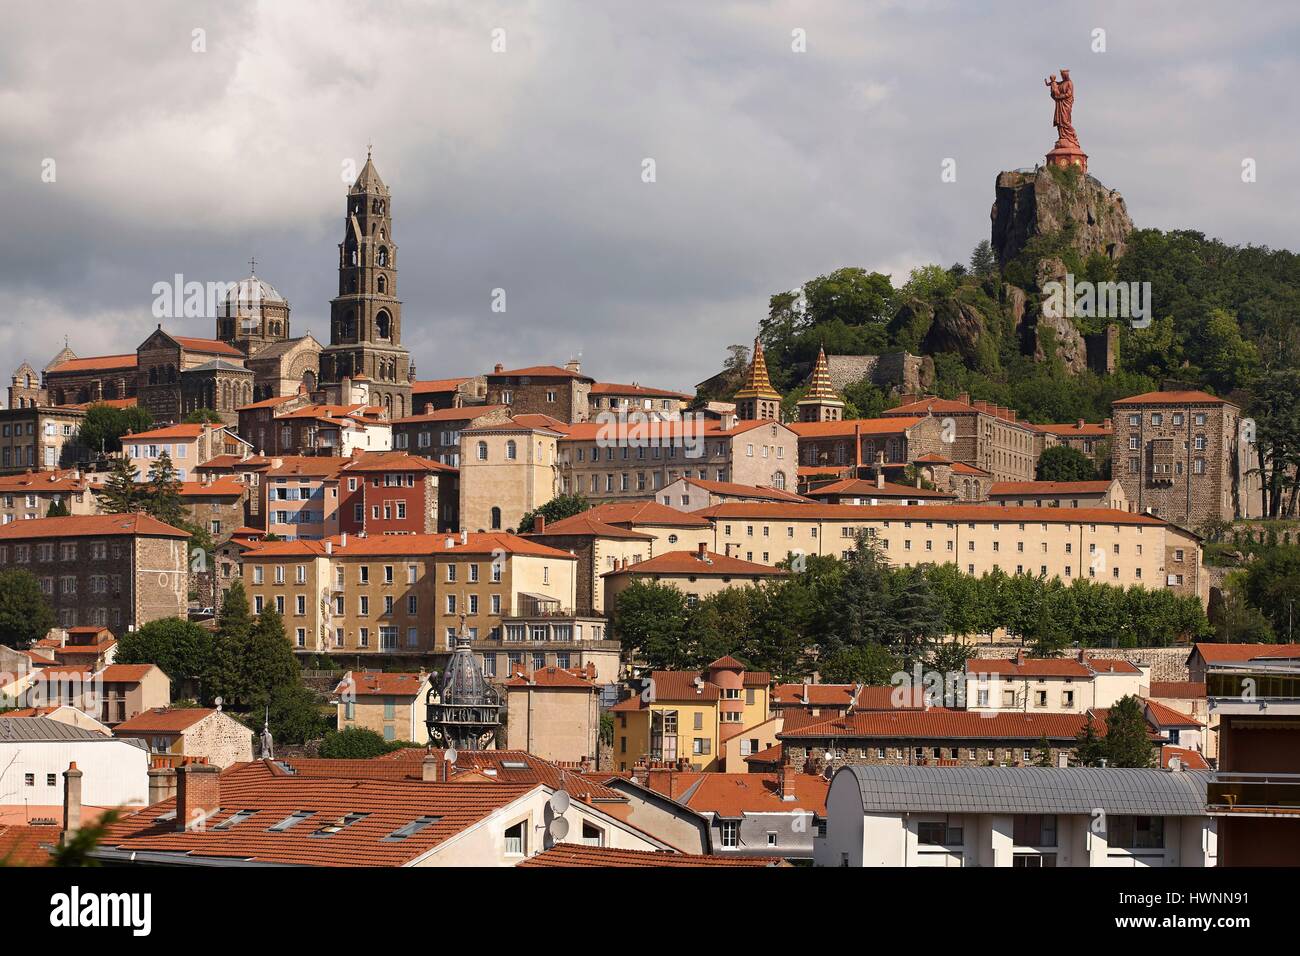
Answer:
(522, 170)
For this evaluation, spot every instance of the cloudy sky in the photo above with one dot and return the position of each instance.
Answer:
(522, 170)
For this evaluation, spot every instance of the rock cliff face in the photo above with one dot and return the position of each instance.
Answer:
(1046, 202)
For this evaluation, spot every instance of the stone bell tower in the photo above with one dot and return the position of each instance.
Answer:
(366, 316)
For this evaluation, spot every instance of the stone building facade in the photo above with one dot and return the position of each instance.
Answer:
(1184, 456)
(114, 571)
(560, 393)
(40, 437)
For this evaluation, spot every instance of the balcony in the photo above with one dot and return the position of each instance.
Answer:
(1254, 794)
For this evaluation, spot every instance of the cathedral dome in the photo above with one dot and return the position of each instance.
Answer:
(248, 295)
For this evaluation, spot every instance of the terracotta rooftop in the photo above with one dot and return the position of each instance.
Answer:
(464, 413)
(1164, 716)
(41, 482)
(1172, 398)
(541, 371)
(732, 795)
(935, 512)
(438, 385)
(27, 845)
(126, 673)
(379, 809)
(641, 391)
(585, 525)
(80, 526)
(171, 432)
(1242, 653)
(1190, 759)
(394, 461)
(646, 513)
(944, 724)
(1177, 689)
(553, 676)
(208, 346)
(386, 683)
(737, 490)
(690, 563)
(164, 720)
(94, 363)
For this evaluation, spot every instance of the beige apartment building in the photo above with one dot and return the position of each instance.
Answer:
(698, 574)
(1185, 456)
(36, 436)
(407, 595)
(1054, 685)
(114, 571)
(391, 703)
(615, 459)
(507, 468)
(30, 494)
(554, 714)
(1059, 494)
(1106, 545)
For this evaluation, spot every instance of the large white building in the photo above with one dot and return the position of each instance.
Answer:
(882, 815)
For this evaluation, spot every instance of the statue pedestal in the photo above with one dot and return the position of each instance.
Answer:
(1066, 156)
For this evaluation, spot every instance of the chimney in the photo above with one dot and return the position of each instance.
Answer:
(700, 553)
(539, 524)
(573, 365)
(964, 398)
(1107, 424)
(499, 369)
(785, 779)
(1081, 423)
(198, 794)
(162, 784)
(1020, 657)
(429, 768)
(805, 692)
(640, 773)
(464, 536)
(857, 447)
(71, 800)
(880, 478)
(329, 546)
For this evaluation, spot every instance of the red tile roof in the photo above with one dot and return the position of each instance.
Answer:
(584, 525)
(27, 845)
(849, 427)
(869, 489)
(690, 563)
(1241, 653)
(955, 513)
(1171, 398)
(94, 363)
(1049, 488)
(1029, 667)
(42, 482)
(1190, 759)
(386, 683)
(1105, 665)
(127, 673)
(271, 402)
(579, 855)
(172, 432)
(943, 725)
(681, 685)
(164, 720)
(770, 755)
(462, 414)
(394, 461)
(207, 346)
(737, 490)
(438, 385)
(552, 676)
(541, 371)
(1164, 716)
(497, 766)
(389, 805)
(1177, 689)
(81, 526)
(646, 513)
(732, 795)
(932, 406)
(642, 391)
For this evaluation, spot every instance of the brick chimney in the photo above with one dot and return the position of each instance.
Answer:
(539, 524)
(71, 800)
(1020, 656)
(198, 794)
(498, 369)
(785, 778)
(640, 773)
(701, 552)
(162, 784)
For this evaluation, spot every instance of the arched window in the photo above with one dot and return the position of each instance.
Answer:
(383, 256)
(383, 324)
(512, 450)
(482, 451)
(382, 285)
(778, 480)
(496, 519)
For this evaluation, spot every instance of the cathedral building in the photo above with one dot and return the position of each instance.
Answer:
(366, 316)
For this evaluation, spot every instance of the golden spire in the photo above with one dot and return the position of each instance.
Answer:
(819, 386)
(757, 384)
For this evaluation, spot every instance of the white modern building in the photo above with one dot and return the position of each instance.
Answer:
(884, 815)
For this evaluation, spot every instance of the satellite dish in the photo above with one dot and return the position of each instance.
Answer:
(558, 828)
(560, 803)
(451, 755)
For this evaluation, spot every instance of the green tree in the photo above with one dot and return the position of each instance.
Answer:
(1062, 463)
(102, 429)
(25, 614)
(1089, 749)
(121, 493)
(862, 664)
(718, 624)
(1272, 585)
(557, 509)
(982, 261)
(1127, 743)
(163, 493)
(297, 715)
(202, 416)
(650, 621)
(928, 283)
(58, 509)
(182, 649)
(354, 743)
(224, 677)
(1044, 756)
(266, 661)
